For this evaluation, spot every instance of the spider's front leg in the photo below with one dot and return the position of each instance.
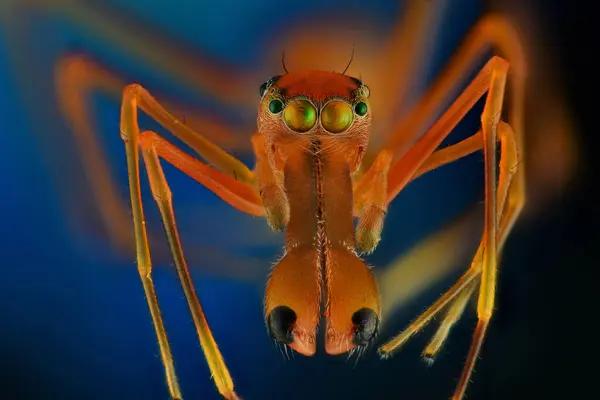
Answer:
(241, 195)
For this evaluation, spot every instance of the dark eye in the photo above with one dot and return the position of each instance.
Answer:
(358, 82)
(275, 106)
(360, 108)
(263, 88)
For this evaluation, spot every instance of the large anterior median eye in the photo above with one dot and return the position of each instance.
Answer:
(337, 116)
(300, 116)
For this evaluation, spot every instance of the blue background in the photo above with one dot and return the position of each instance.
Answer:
(73, 318)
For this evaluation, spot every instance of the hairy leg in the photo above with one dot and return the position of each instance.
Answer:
(410, 159)
(239, 194)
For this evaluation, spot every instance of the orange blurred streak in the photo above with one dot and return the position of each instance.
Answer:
(553, 153)
(76, 78)
(142, 42)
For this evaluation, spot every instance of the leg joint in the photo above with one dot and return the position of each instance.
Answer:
(132, 90)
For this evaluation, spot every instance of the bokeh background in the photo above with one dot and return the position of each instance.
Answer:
(74, 322)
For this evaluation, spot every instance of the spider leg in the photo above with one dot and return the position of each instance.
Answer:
(508, 162)
(409, 158)
(370, 191)
(491, 31)
(239, 194)
(450, 154)
(135, 96)
(385, 179)
(405, 168)
(493, 76)
(427, 262)
(453, 313)
(162, 195)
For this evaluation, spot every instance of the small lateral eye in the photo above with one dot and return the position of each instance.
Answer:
(263, 88)
(275, 106)
(361, 108)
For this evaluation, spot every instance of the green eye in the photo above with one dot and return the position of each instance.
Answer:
(360, 108)
(275, 106)
(300, 116)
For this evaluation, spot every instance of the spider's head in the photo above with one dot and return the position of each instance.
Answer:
(299, 108)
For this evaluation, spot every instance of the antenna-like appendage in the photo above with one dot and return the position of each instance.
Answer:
(349, 62)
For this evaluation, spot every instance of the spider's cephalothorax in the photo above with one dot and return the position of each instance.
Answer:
(316, 126)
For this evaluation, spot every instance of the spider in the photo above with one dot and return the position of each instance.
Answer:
(313, 128)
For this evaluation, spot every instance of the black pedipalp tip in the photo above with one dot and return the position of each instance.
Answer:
(366, 325)
(280, 323)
